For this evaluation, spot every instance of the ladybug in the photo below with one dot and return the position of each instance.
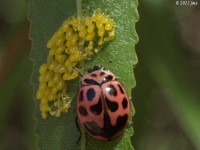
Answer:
(102, 107)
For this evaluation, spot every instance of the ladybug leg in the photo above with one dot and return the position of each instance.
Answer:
(79, 72)
(129, 125)
(78, 127)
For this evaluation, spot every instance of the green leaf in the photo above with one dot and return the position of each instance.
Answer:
(45, 17)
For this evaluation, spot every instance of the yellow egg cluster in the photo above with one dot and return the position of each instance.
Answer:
(75, 41)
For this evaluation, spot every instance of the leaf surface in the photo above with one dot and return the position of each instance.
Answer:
(45, 17)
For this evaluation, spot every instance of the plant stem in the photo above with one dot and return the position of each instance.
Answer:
(79, 15)
(82, 139)
(79, 8)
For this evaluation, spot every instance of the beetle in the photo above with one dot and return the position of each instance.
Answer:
(102, 106)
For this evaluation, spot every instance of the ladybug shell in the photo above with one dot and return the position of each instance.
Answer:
(103, 108)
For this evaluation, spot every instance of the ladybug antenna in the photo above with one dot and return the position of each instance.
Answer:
(94, 68)
(97, 67)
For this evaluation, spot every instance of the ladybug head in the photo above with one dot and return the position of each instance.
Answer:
(95, 68)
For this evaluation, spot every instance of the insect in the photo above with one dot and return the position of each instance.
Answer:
(103, 107)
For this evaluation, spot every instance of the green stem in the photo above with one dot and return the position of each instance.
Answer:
(79, 15)
(79, 8)
(82, 139)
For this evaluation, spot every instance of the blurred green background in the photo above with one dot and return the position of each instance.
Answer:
(167, 95)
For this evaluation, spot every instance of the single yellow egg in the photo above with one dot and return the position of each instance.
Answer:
(90, 36)
(56, 77)
(101, 32)
(60, 84)
(83, 33)
(54, 89)
(109, 25)
(91, 28)
(60, 41)
(99, 25)
(61, 57)
(62, 69)
(53, 64)
(43, 68)
(50, 43)
(69, 33)
(88, 21)
(65, 26)
(104, 19)
(60, 49)
(42, 78)
(39, 94)
(74, 38)
(51, 83)
(52, 51)
(48, 76)
(52, 96)
(42, 86)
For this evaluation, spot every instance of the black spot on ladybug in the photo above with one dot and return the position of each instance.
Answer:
(112, 106)
(82, 110)
(124, 103)
(109, 77)
(120, 88)
(109, 130)
(94, 75)
(121, 122)
(91, 81)
(81, 96)
(97, 108)
(107, 122)
(90, 94)
(111, 90)
(102, 73)
(94, 68)
(93, 128)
